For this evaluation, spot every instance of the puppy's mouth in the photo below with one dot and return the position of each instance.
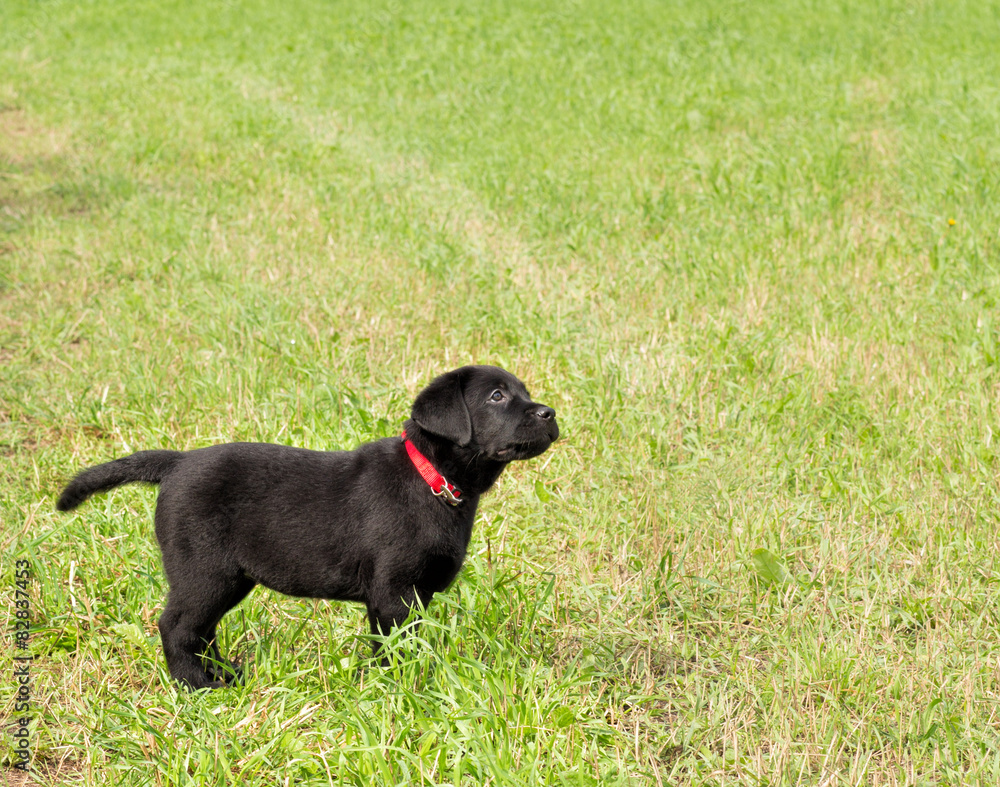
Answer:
(516, 451)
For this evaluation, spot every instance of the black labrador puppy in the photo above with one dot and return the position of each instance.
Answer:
(386, 525)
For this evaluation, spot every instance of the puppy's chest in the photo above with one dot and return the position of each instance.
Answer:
(443, 558)
(439, 571)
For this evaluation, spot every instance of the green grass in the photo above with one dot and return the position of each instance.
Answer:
(750, 254)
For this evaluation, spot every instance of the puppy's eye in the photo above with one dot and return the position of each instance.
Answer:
(496, 396)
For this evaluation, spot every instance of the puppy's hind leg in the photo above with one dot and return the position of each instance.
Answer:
(187, 627)
(218, 667)
(183, 645)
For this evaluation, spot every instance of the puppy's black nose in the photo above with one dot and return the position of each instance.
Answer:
(545, 413)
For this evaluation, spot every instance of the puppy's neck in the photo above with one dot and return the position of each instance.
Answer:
(464, 466)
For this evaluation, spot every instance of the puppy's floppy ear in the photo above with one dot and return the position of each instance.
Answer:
(440, 409)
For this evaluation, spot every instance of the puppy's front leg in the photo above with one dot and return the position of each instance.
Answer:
(390, 609)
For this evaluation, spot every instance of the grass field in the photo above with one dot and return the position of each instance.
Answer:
(750, 252)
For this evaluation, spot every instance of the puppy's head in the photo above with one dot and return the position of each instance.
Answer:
(487, 409)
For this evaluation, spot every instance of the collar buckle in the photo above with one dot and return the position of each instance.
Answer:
(445, 491)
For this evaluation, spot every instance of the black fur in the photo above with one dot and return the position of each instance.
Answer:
(348, 525)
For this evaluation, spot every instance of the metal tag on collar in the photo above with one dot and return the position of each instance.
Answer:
(447, 494)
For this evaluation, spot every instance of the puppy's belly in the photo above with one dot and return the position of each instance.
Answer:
(334, 583)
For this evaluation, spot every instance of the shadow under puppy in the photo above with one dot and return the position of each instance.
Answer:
(379, 525)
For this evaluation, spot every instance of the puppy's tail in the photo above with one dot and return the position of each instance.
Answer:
(150, 467)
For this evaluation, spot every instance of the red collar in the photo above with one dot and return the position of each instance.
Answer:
(438, 483)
